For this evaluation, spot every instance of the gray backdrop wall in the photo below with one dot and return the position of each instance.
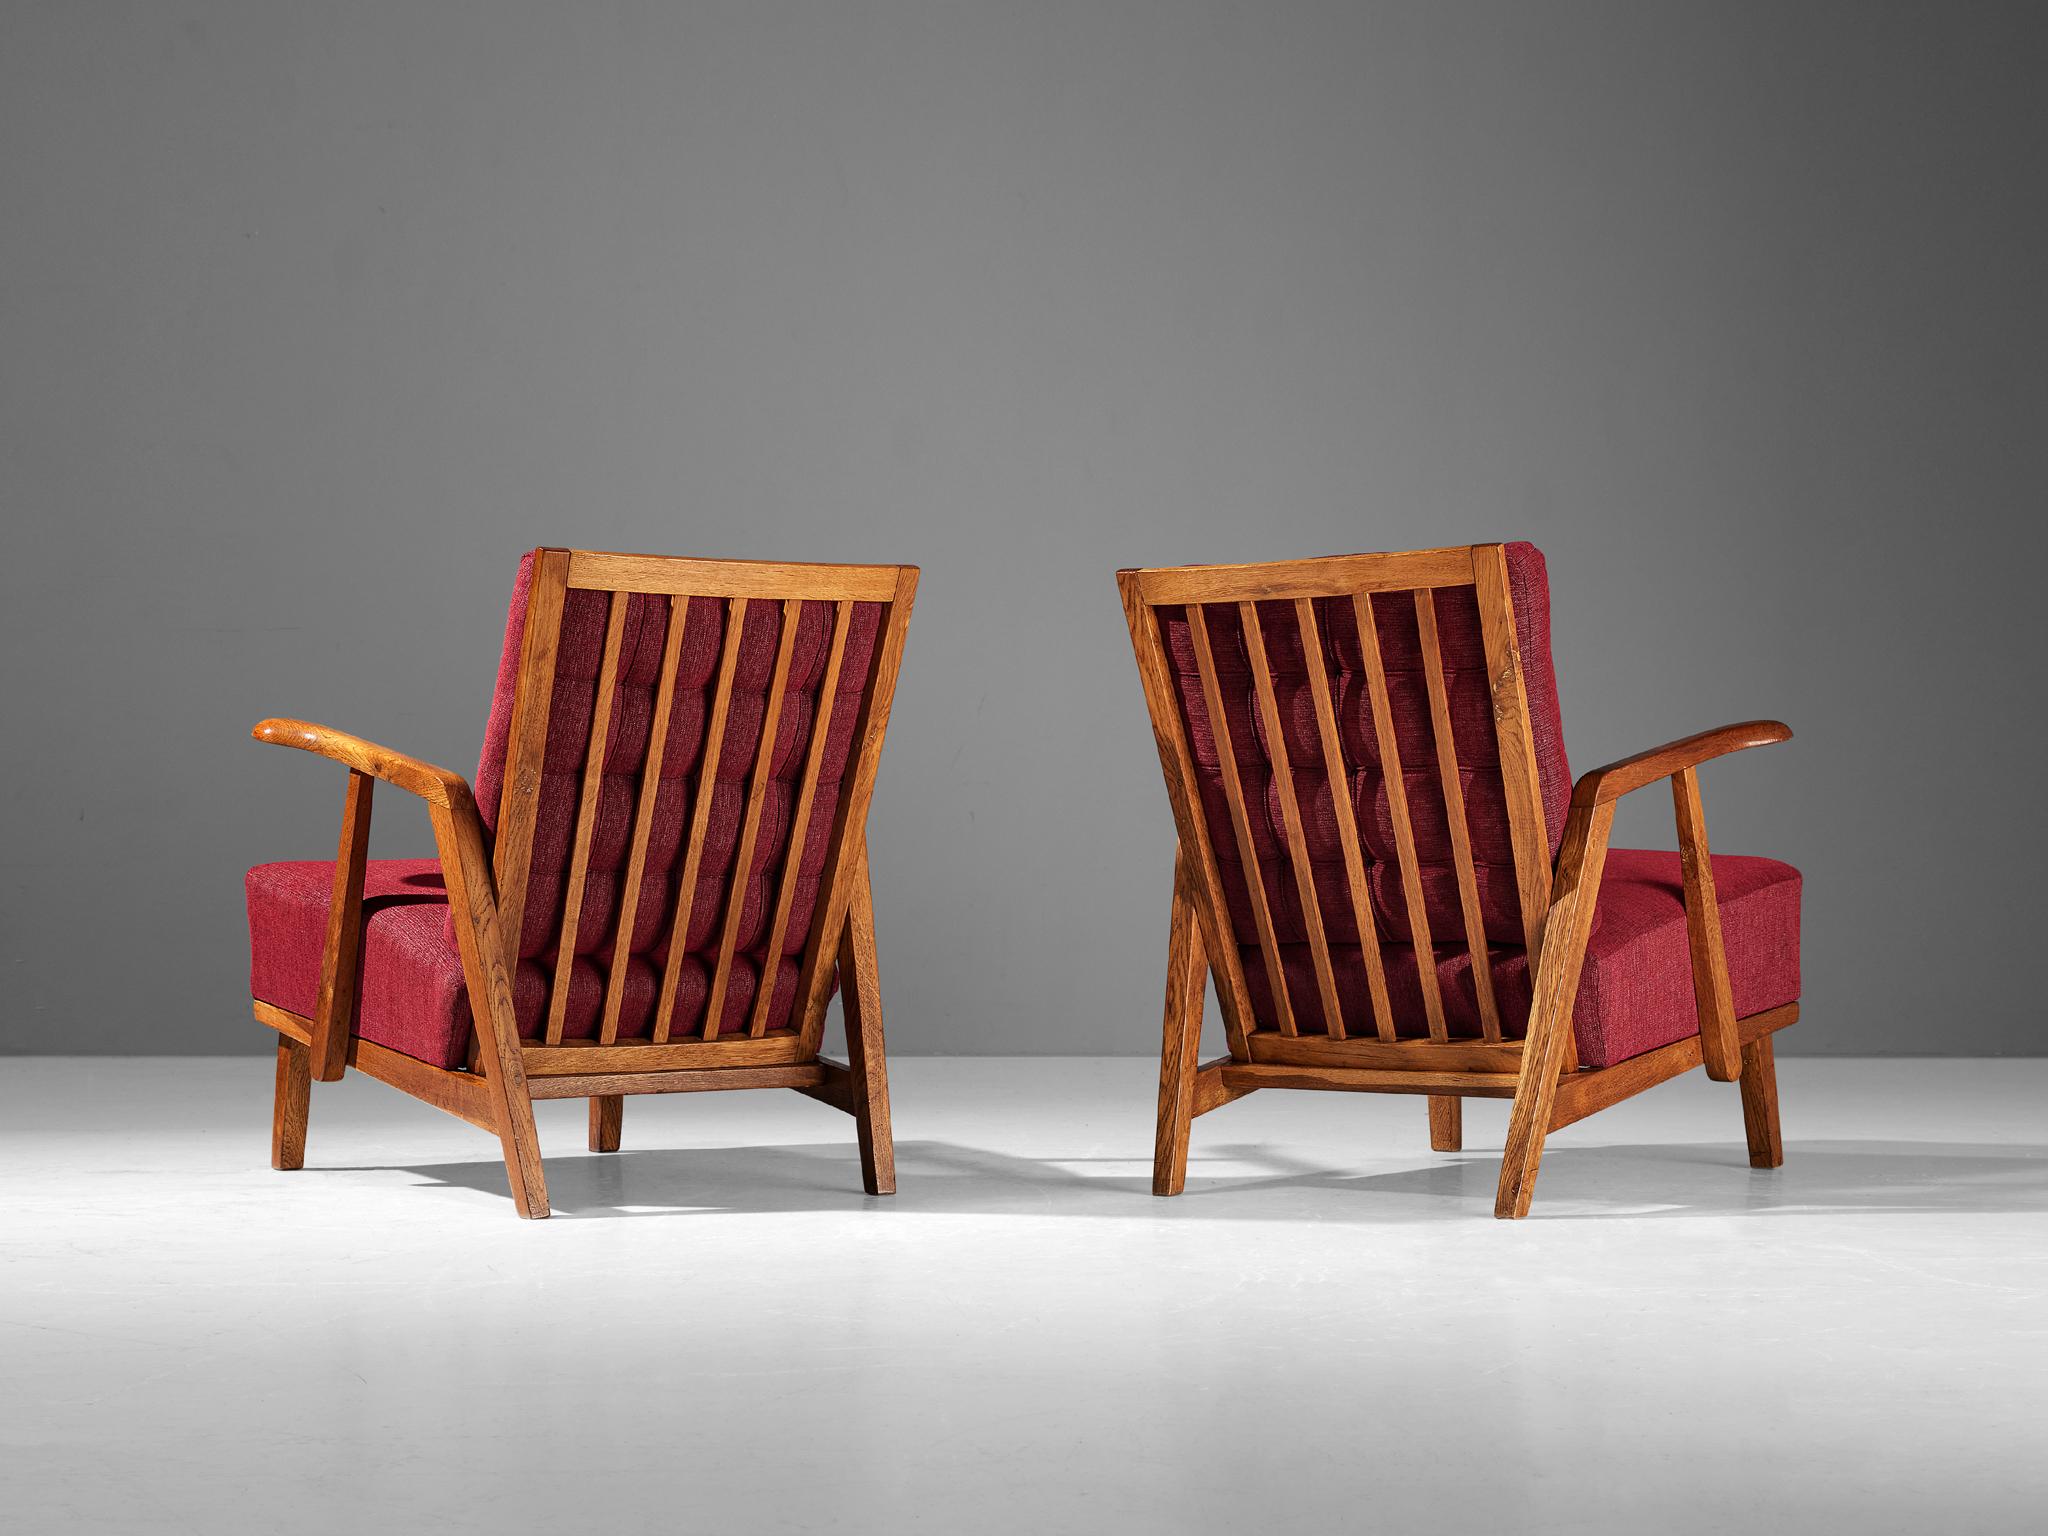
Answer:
(315, 316)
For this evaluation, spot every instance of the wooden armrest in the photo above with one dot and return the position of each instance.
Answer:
(436, 786)
(1631, 773)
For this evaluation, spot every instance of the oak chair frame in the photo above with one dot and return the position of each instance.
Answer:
(487, 885)
(1540, 1072)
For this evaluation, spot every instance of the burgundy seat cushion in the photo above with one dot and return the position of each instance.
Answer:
(1635, 992)
(410, 964)
(411, 997)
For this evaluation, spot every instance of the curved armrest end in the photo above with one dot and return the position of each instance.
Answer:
(1631, 773)
(435, 785)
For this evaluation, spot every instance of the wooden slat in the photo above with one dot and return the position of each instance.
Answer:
(1545, 1054)
(341, 955)
(1180, 1041)
(586, 815)
(1713, 999)
(700, 816)
(1306, 578)
(1454, 811)
(848, 843)
(800, 822)
(1397, 804)
(1233, 791)
(1290, 816)
(643, 820)
(1517, 746)
(577, 1058)
(1183, 792)
(743, 857)
(1479, 1085)
(1390, 1056)
(703, 1080)
(867, 1065)
(1347, 819)
(668, 575)
(526, 748)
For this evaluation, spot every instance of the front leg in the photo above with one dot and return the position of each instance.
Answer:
(1187, 974)
(1569, 923)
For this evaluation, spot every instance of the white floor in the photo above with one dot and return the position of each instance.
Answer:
(718, 1333)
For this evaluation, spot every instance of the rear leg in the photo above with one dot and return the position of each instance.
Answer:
(294, 1099)
(1760, 1104)
(1446, 1123)
(607, 1117)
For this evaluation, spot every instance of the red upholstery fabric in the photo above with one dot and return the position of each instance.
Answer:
(426, 1015)
(1636, 990)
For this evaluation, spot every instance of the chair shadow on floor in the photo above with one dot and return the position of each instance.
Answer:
(1259, 1182)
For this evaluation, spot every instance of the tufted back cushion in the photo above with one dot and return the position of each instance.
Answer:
(1472, 731)
(682, 771)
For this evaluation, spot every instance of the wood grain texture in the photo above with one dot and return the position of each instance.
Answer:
(1544, 1056)
(867, 1059)
(767, 580)
(1628, 774)
(596, 1085)
(341, 953)
(1446, 1124)
(434, 785)
(1389, 1056)
(750, 824)
(1423, 949)
(1453, 788)
(1339, 775)
(643, 820)
(1183, 793)
(292, 1102)
(526, 745)
(1277, 579)
(1760, 1103)
(800, 823)
(575, 1058)
(1290, 818)
(1514, 740)
(848, 843)
(1713, 997)
(1186, 974)
(459, 1093)
(1211, 1092)
(1480, 1085)
(700, 821)
(607, 1121)
(1233, 792)
(588, 795)
(472, 902)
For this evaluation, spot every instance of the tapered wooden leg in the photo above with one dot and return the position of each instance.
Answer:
(607, 1114)
(1760, 1104)
(487, 972)
(1446, 1123)
(294, 1098)
(1566, 927)
(866, 1058)
(1186, 974)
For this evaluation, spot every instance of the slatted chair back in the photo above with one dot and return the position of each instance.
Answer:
(1369, 781)
(676, 779)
